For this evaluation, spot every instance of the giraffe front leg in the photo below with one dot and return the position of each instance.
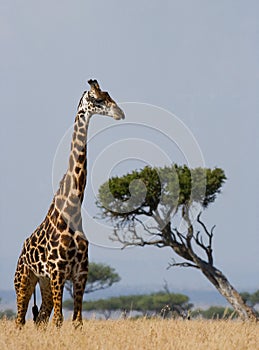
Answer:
(78, 288)
(47, 301)
(25, 282)
(57, 287)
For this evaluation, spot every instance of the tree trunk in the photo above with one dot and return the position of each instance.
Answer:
(217, 278)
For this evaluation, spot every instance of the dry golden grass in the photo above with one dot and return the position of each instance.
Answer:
(133, 334)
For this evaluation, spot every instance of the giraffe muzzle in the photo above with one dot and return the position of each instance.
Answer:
(118, 113)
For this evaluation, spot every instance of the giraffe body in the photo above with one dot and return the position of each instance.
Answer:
(58, 249)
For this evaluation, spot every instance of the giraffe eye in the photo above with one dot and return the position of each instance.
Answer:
(99, 100)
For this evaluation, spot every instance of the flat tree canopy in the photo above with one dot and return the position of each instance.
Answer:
(144, 303)
(150, 189)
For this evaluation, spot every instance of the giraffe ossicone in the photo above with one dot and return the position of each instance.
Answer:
(58, 249)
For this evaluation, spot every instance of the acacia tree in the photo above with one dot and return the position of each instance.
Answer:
(154, 303)
(162, 207)
(100, 276)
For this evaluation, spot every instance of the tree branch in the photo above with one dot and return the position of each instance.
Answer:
(134, 239)
(183, 264)
(148, 229)
(180, 236)
(208, 249)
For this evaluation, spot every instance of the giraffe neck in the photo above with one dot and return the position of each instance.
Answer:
(74, 181)
(65, 210)
(77, 169)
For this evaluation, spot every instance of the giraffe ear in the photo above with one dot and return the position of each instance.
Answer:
(94, 85)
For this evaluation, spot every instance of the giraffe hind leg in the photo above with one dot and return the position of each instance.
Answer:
(47, 301)
(25, 282)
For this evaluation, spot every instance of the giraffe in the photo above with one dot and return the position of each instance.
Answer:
(58, 249)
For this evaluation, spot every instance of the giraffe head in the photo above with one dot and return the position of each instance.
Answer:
(96, 101)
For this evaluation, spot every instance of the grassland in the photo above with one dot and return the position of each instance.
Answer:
(133, 334)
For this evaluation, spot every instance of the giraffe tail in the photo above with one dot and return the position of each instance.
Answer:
(35, 310)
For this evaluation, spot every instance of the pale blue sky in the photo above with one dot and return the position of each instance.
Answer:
(196, 59)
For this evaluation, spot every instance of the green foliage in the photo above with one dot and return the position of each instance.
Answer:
(8, 314)
(254, 298)
(141, 192)
(215, 312)
(68, 304)
(100, 276)
(245, 296)
(151, 302)
(251, 299)
(116, 193)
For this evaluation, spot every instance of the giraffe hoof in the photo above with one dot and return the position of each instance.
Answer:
(78, 324)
